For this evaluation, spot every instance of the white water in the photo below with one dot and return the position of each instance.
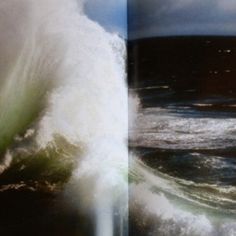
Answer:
(165, 128)
(64, 75)
(174, 206)
(166, 205)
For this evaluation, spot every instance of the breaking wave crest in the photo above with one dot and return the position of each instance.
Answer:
(64, 100)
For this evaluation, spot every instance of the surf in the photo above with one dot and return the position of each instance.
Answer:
(181, 187)
(63, 93)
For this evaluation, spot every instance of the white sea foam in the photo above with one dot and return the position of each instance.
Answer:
(64, 75)
(169, 218)
(166, 128)
(172, 206)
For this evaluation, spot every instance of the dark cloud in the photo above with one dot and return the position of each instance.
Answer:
(181, 17)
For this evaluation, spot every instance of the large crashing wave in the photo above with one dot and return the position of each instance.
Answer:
(63, 91)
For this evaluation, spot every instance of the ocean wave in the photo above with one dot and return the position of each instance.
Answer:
(165, 128)
(63, 96)
(170, 205)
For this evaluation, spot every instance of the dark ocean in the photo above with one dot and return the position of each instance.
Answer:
(186, 131)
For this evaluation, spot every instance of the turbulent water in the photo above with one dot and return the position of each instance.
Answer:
(185, 176)
(63, 103)
(64, 118)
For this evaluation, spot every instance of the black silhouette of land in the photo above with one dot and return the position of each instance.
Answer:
(192, 66)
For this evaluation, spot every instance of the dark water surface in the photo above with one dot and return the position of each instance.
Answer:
(26, 212)
(186, 128)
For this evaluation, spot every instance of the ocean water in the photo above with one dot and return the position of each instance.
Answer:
(187, 169)
(184, 158)
(63, 118)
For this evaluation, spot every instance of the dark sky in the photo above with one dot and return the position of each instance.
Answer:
(181, 17)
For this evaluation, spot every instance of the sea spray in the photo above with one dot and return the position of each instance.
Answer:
(64, 79)
(89, 109)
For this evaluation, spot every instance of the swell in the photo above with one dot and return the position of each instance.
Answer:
(171, 205)
(183, 181)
